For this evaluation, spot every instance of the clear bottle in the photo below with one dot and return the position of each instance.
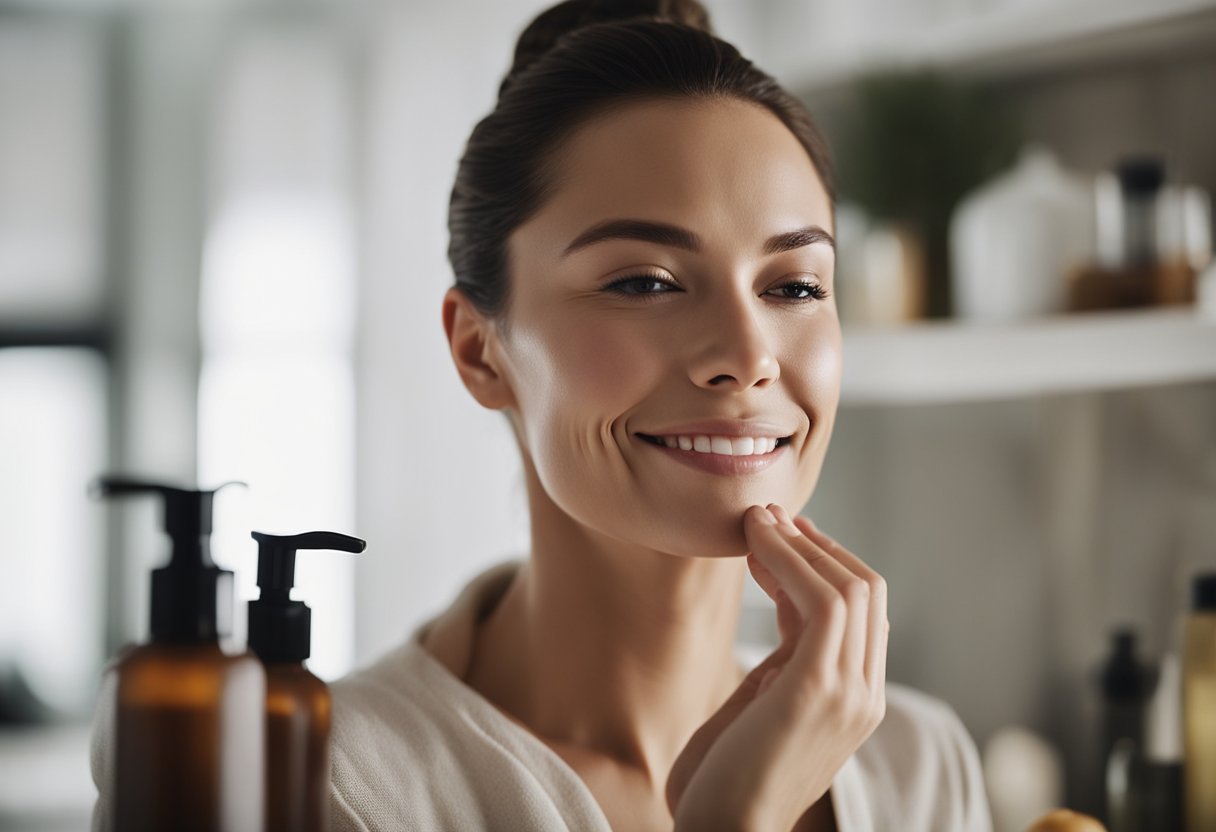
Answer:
(188, 719)
(1199, 707)
(298, 704)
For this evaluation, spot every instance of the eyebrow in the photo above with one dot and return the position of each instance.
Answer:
(676, 237)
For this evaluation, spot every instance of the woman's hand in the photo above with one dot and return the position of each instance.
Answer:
(771, 752)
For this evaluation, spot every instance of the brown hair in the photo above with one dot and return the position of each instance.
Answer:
(573, 61)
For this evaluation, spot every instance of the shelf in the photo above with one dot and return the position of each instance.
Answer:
(931, 362)
(1003, 39)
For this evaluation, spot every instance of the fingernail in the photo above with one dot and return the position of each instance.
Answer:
(767, 518)
(786, 524)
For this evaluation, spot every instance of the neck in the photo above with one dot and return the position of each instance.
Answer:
(619, 651)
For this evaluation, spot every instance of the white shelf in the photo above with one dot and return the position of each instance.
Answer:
(931, 362)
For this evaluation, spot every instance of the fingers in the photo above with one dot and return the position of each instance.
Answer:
(879, 626)
(816, 600)
(826, 584)
(854, 592)
(789, 622)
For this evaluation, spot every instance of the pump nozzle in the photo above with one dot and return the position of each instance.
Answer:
(279, 628)
(191, 596)
(187, 512)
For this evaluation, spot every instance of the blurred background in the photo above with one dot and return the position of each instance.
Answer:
(222, 253)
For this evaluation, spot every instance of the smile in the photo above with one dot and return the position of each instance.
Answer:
(722, 455)
(720, 445)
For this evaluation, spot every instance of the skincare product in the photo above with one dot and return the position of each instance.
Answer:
(1126, 685)
(189, 719)
(298, 704)
(1199, 707)
(1015, 239)
(1141, 257)
(1162, 769)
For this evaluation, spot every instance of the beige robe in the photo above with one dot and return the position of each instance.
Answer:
(414, 747)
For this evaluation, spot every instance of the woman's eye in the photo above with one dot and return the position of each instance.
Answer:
(640, 285)
(802, 290)
(648, 286)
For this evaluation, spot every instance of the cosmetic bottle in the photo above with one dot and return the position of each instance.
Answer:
(1014, 240)
(1126, 685)
(1136, 266)
(1199, 707)
(298, 705)
(1161, 774)
(189, 719)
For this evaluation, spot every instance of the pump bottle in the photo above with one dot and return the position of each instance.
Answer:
(1199, 708)
(298, 705)
(189, 720)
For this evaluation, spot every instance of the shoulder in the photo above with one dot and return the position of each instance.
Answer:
(387, 733)
(386, 716)
(922, 768)
(413, 747)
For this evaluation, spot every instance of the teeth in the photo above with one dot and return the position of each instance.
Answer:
(724, 445)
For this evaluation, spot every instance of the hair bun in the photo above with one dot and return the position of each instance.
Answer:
(557, 21)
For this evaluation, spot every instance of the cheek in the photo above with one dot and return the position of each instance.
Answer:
(599, 369)
(818, 374)
(579, 378)
(819, 367)
(576, 377)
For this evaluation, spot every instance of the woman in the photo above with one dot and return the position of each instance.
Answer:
(641, 233)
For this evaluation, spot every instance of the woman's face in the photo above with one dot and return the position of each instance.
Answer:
(679, 272)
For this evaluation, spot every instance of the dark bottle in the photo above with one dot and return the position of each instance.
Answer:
(1126, 687)
(298, 705)
(189, 719)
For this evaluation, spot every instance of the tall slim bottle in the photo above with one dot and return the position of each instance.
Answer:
(1199, 707)
(298, 704)
(188, 741)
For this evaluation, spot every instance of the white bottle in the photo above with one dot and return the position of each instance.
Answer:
(1014, 240)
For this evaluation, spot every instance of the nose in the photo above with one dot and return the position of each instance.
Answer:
(734, 349)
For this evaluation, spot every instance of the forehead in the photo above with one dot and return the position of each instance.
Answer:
(725, 168)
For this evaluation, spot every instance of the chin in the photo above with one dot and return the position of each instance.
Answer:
(704, 538)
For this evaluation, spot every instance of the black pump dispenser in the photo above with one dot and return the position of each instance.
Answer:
(191, 595)
(280, 628)
(1203, 593)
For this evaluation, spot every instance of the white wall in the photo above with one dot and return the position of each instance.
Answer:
(440, 489)
(440, 493)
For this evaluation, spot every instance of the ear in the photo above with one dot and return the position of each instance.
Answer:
(472, 339)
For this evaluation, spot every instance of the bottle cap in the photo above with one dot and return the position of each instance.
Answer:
(1204, 592)
(1141, 175)
(280, 629)
(191, 595)
(1123, 678)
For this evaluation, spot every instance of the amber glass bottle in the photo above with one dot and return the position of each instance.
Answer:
(297, 739)
(298, 706)
(189, 719)
(187, 745)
